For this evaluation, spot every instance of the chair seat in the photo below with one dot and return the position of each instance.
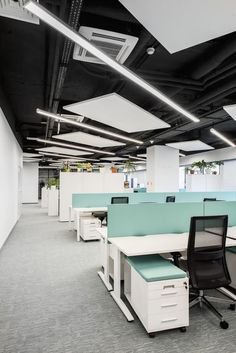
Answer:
(155, 268)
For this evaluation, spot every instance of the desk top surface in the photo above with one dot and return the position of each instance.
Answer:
(157, 243)
(89, 209)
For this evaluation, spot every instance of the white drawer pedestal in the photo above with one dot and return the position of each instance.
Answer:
(160, 305)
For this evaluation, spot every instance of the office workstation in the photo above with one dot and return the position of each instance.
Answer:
(117, 177)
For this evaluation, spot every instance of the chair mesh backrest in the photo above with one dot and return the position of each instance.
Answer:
(170, 198)
(119, 199)
(209, 199)
(206, 252)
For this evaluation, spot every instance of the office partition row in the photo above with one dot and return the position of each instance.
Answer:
(104, 199)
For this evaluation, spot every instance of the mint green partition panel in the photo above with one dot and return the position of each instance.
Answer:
(221, 208)
(199, 196)
(143, 219)
(104, 199)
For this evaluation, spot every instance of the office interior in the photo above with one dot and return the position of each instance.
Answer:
(117, 176)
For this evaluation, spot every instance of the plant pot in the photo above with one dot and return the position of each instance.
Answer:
(114, 169)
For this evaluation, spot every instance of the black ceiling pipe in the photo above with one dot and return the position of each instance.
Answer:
(209, 62)
(74, 15)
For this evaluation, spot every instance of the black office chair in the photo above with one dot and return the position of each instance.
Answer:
(114, 200)
(209, 199)
(170, 198)
(119, 199)
(100, 215)
(206, 263)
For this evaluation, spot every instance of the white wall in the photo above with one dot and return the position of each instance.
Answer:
(30, 181)
(10, 179)
(228, 171)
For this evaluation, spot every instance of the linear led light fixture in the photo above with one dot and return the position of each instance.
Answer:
(222, 137)
(79, 148)
(68, 156)
(86, 126)
(75, 37)
(182, 155)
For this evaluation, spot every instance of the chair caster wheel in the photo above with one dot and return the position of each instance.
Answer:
(182, 329)
(224, 325)
(151, 335)
(232, 307)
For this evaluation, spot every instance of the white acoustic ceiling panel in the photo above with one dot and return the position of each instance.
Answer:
(63, 151)
(88, 139)
(113, 159)
(231, 110)
(195, 145)
(180, 24)
(116, 111)
(30, 155)
(143, 155)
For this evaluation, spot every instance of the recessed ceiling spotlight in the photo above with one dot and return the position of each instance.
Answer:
(151, 141)
(137, 147)
(150, 51)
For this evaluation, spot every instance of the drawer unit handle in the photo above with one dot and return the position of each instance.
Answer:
(169, 286)
(169, 320)
(169, 293)
(168, 305)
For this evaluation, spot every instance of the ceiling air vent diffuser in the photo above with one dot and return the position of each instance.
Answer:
(116, 45)
(15, 10)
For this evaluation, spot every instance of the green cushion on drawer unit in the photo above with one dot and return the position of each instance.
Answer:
(233, 249)
(155, 268)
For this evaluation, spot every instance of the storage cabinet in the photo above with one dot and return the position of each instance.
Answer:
(160, 305)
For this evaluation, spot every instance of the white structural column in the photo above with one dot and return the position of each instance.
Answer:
(162, 169)
(30, 181)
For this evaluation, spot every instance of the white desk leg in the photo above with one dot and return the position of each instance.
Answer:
(77, 217)
(116, 293)
(105, 276)
(70, 211)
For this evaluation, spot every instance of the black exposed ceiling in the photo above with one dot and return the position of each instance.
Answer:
(37, 70)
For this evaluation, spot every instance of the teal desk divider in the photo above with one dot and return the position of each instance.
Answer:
(104, 199)
(151, 218)
(216, 208)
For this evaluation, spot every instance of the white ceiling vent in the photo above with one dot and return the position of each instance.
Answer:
(14, 9)
(116, 45)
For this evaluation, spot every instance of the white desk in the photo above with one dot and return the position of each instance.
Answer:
(80, 212)
(145, 245)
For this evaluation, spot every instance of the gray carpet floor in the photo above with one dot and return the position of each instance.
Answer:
(52, 301)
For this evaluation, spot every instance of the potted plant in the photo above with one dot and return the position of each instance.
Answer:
(53, 183)
(80, 167)
(129, 166)
(201, 165)
(89, 167)
(66, 167)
